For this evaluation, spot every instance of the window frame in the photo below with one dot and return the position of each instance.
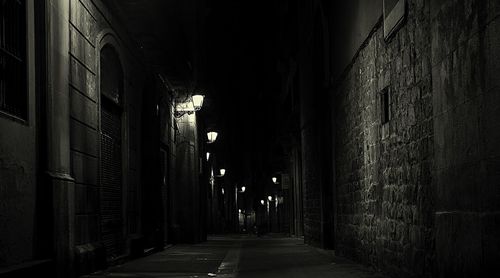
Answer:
(22, 86)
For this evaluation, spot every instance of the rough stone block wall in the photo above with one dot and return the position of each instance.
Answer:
(385, 198)
(466, 101)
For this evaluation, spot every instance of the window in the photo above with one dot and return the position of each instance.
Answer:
(385, 104)
(13, 91)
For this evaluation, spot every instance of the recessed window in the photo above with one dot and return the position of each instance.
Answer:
(385, 103)
(13, 91)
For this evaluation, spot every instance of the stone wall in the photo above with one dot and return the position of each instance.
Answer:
(418, 196)
(466, 101)
(385, 197)
(91, 27)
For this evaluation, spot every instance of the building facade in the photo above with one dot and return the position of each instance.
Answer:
(90, 147)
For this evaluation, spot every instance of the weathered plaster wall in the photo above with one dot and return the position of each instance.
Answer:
(18, 174)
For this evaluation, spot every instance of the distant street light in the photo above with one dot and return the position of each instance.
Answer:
(212, 136)
(222, 172)
(208, 156)
(262, 202)
(270, 198)
(243, 189)
(275, 180)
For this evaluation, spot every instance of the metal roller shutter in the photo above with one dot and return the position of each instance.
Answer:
(111, 180)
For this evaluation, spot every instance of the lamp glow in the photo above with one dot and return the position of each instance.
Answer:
(239, 210)
(222, 172)
(262, 202)
(212, 136)
(198, 101)
(208, 156)
(270, 198)
(186, 107)
(275, 180)
(222, 191)
(243, 189)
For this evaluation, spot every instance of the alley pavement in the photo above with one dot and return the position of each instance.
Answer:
(241, 256)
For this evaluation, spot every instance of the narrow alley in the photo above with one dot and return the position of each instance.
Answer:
(262, 138)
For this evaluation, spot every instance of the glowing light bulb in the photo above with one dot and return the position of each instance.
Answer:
(212, 136)
(198, 102)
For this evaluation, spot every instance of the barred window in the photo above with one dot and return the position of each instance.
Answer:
(13, 90)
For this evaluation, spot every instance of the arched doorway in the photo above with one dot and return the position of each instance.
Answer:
(111, 174)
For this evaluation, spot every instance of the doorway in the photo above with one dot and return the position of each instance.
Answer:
(111, 185)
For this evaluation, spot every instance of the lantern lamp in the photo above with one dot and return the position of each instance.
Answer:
(198, 101)
(212, 136)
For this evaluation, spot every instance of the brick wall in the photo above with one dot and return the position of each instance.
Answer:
(384, 171)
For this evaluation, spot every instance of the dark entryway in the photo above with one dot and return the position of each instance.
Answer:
(111, 196)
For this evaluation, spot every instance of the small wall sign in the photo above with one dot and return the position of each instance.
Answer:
(394, 16)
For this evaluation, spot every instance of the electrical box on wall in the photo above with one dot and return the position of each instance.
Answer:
(394, 16)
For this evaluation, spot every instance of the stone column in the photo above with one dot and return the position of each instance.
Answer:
(58, 135)
(187, 192)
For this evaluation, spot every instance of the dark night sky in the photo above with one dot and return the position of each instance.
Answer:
(239, 54)
(243, 80)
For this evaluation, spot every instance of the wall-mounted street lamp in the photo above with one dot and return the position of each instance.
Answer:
(222, 172)
(198, 101)
(275, 180)
(190, 106)
(212, 136)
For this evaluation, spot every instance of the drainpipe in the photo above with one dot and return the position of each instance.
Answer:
(58, 136)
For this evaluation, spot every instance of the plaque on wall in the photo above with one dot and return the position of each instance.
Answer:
(394, 16)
